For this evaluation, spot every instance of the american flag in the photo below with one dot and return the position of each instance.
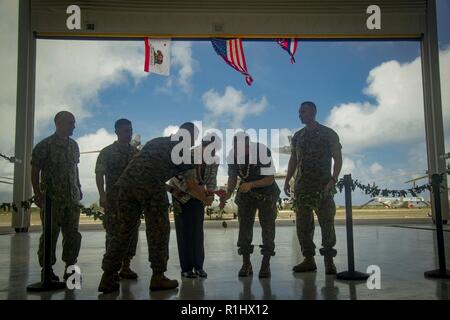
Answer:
(232, 52)
(290, 45)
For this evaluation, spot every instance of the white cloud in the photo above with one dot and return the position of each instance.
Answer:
(185, 65)
(417, 154)
(182, 58)
(376, 168)
(71, 74)
(171, 129)
(231, 108)
(397, 116)
(285, 133)
(91, 142)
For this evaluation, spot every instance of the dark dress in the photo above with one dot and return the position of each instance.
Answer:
(189, 229)
(189, 218)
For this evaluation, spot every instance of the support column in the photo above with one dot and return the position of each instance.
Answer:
(26, 67)
(434, 127)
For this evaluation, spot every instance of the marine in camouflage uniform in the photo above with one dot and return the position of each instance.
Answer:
(57, 159)
(142, 189)
(111, 162)
(262, 199)
(313, 148)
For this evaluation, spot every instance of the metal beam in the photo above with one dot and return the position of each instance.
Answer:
(219, 18)
(434, 127)
(26, 67)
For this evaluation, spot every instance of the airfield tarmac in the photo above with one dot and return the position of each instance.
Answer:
(414, 215)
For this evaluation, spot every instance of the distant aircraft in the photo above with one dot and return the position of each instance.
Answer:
(398, 202)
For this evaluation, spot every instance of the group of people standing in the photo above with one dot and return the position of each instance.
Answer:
(133, 182)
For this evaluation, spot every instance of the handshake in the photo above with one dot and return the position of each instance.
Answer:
(222, 194)
(206, 196)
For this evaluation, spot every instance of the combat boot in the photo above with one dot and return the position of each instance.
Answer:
(126, 272)
(308, 264)
(161, 282)
(107, 283)
(67, 275)
(246, 268)
(53, 276)
(330, 268)
(264, 272)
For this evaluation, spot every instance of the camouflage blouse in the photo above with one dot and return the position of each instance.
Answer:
(313, 150)
(58, 160)
(152, 167)
(111, 162)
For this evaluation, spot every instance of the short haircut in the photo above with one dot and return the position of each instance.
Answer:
(122, 122)
(309, 104)
(61, 115)
(187, 126)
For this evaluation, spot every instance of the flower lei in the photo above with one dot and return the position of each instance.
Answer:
(247, 173)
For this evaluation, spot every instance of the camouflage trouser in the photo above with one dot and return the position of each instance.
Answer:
(305, 227)
(132, 202)
(111, 225)
(65, 218)
(267, 213)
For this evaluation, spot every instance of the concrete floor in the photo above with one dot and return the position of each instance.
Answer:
(403, 253)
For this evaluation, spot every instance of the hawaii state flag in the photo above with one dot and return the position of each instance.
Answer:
(157, 56)
(290, 45)
(232, 52)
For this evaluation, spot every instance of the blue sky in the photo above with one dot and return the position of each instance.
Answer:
(326, 72)
(369, 92)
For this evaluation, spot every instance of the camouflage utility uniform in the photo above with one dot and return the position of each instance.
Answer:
(313, 150)
(142, 188)
(111, 162)
(58, 160)
(263, 199)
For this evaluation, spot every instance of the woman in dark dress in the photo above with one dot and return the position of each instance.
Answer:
(189, 214)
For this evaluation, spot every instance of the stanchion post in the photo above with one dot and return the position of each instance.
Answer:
(47, 284)
(442, 272)
(47, 241)
(349, 223)
(351, 274)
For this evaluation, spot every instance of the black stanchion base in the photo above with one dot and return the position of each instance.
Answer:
(437, 274)
(46, 286)
(352, 275)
